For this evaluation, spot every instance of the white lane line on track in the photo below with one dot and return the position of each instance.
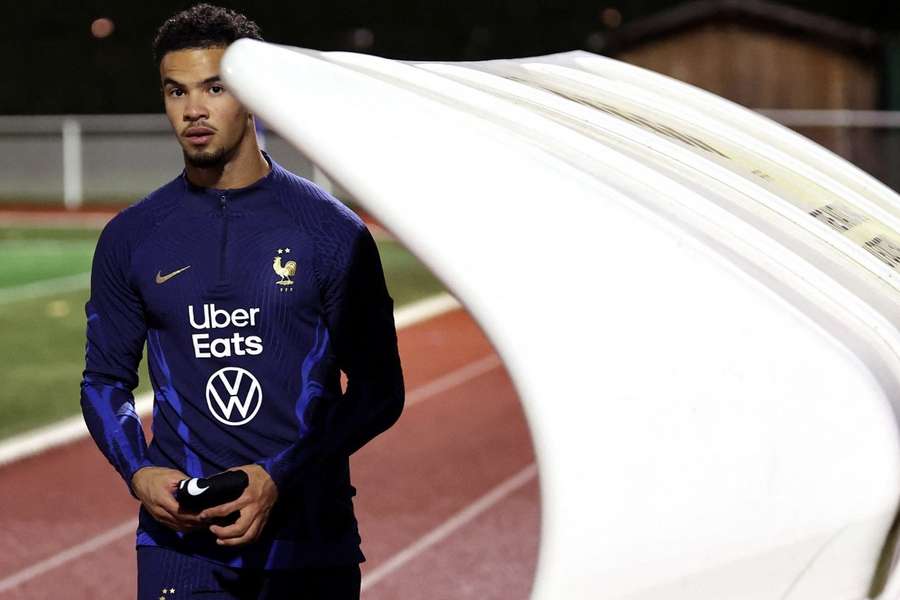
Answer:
(73, 428)
(422, 310)
(447, 382)
(452, 379)
(57, 560)
(46, 287)
(449, 526)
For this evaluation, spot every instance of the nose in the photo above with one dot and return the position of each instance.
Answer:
(195, 109)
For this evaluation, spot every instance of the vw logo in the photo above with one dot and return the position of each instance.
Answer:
(233, 388)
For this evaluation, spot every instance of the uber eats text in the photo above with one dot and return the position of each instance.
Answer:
(216, 318)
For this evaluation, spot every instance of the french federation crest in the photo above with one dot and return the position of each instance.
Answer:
(284, 270)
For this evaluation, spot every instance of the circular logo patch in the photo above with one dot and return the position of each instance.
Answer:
(233, 395)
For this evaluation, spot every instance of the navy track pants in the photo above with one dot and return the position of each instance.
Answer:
(164, 574)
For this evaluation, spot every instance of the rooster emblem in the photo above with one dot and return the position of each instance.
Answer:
(286, 270)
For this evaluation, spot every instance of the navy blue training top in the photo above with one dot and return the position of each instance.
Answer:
(251, 302)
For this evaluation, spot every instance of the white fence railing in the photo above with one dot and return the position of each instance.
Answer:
(100, 158)
(870, 139)
(120, 158)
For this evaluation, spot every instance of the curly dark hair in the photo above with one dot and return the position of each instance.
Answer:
(202, 26)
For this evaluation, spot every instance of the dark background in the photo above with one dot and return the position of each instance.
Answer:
(54, 65)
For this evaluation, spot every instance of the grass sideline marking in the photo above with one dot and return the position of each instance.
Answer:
(424, 309)
(432, 388)
(448, 527)
(46, 287)
(73, 428)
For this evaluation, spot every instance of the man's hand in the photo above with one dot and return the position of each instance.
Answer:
(255, 505)
(155, 487)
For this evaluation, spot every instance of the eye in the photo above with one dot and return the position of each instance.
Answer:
(216, 89)
(176, 92)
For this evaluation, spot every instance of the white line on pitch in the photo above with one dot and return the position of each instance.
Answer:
(56, 434)
(95, 543)
(47, 287)
(449, 526)
(73, 428)
(424, 309)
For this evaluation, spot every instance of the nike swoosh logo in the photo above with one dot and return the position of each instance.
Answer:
(194, 489)
(160, 278)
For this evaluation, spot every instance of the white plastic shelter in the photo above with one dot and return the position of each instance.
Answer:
(698, 307)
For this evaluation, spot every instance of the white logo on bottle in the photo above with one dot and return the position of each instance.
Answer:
(233, 395)
(193, 487)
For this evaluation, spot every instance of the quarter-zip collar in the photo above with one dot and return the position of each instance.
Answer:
(212, 197)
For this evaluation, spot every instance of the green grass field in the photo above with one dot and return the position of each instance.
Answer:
(42, 354)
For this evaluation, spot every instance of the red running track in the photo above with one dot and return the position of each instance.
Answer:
(447, 499)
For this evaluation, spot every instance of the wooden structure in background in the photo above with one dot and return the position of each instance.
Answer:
(759, 54)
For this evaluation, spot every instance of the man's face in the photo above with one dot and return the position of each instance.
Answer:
(208, 121)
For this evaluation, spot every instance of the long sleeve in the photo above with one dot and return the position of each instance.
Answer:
(359, 314)
(116, 331)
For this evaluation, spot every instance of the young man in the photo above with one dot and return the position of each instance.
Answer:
(253, 289)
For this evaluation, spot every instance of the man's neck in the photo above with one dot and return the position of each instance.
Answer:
(244, 168)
